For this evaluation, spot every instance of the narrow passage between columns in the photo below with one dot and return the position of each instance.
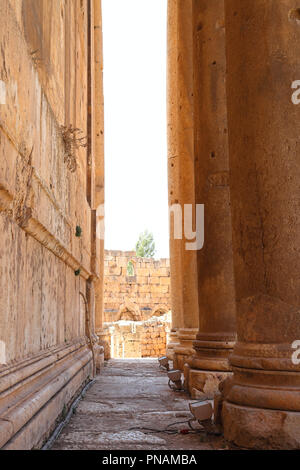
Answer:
(129, 396)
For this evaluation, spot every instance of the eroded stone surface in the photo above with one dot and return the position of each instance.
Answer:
(258, 428)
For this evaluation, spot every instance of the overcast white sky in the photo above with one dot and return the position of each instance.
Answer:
(136, 195)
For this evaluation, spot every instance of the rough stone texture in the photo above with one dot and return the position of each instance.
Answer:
(137, 297)
(132, 394)
(47, 67)
(262, 61)
(257, 428)
(130, 339)
(204, 382)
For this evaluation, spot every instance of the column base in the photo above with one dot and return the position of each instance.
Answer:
(203, 383)
(104, 341)
(172, 344)
(258, 428)
(180, 357)
(209, 366)
(99, 357)
(184, 350)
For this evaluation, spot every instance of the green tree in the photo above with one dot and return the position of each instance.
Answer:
(130, 269)
(145, 247)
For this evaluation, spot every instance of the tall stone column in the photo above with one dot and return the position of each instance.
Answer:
(99, 169)
(181, 174)
(263, 39)
(173, 176)
(217, 330)
(185, 161)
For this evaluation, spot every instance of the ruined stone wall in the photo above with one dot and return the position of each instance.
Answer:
(47, 192)
(154, 336)
(131, 339)
(136, 297)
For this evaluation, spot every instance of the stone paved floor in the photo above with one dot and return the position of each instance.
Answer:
(131, 394)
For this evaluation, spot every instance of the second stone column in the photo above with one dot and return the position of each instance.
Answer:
(181, 175)
(217, 329)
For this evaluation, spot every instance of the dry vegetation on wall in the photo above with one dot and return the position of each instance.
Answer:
(20, 210)
(72, 142)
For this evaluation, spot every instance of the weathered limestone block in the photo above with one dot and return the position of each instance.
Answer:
(70, 366)
(206, 383)
(258, 428)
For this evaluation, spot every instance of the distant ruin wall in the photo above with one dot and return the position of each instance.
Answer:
(130, 339)
(139, 296)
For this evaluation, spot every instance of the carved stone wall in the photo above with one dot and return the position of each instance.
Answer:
(47, 197)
